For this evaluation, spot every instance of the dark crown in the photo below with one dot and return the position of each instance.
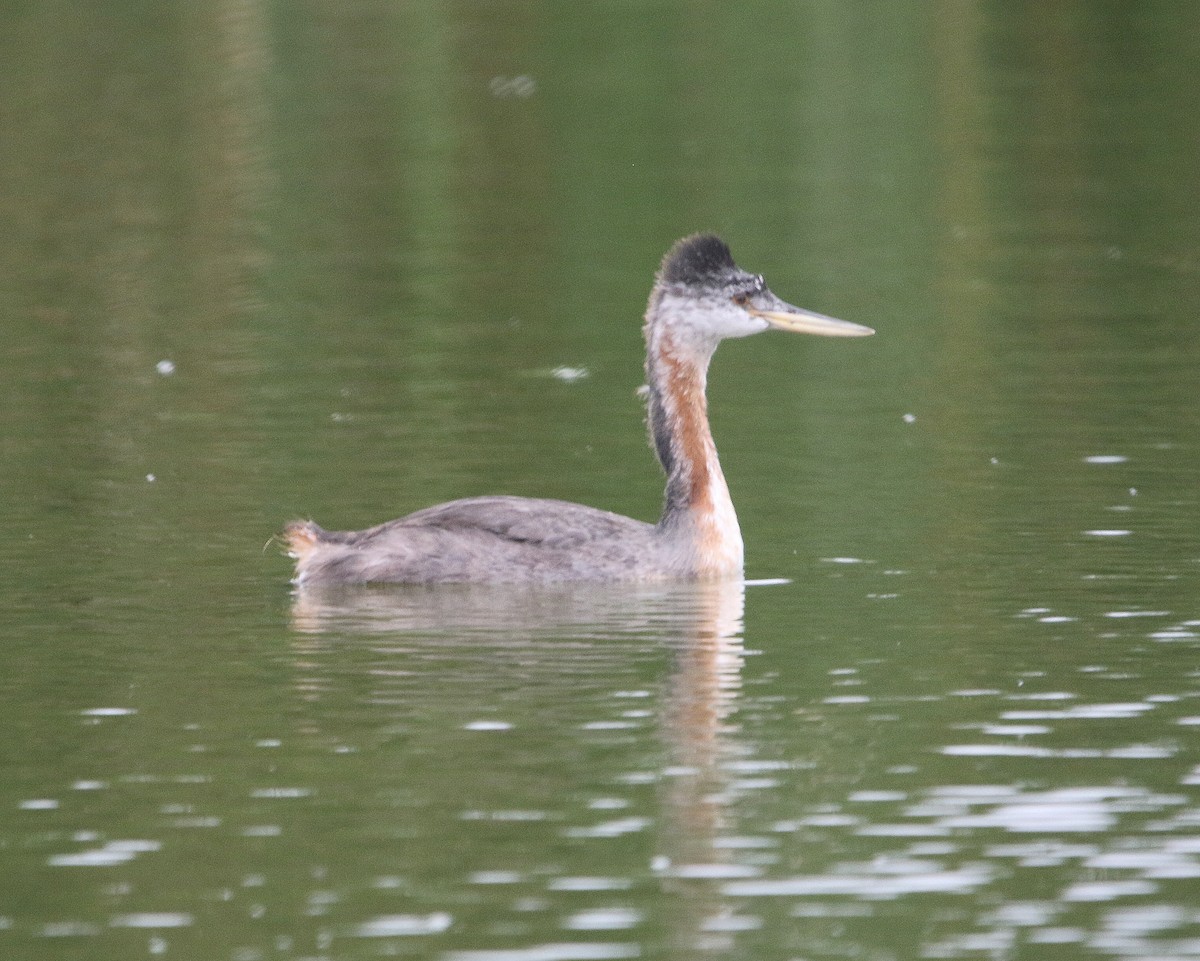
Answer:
(698, 259)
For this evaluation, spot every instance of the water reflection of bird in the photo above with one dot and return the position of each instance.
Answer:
(700, 297)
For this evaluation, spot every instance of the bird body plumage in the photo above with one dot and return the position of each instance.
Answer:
(699, 297)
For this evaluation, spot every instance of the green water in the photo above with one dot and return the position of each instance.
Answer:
(348, 260)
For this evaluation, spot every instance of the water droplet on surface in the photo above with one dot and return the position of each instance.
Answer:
(487, 726)
(520, 87)
(603, 919)
(403, 925)
(569, 374)
(152, 919)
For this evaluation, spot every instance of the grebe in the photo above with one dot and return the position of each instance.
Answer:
(700, 296)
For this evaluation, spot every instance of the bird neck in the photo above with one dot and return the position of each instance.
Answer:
(697, 507)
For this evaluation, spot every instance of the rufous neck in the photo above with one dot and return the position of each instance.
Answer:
(697, 503)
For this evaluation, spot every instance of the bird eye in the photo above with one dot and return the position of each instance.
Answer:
(741, 298)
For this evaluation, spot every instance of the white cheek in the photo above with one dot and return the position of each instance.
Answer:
(731, 321)
(755, 325)
(737, 323)
(710, 323)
